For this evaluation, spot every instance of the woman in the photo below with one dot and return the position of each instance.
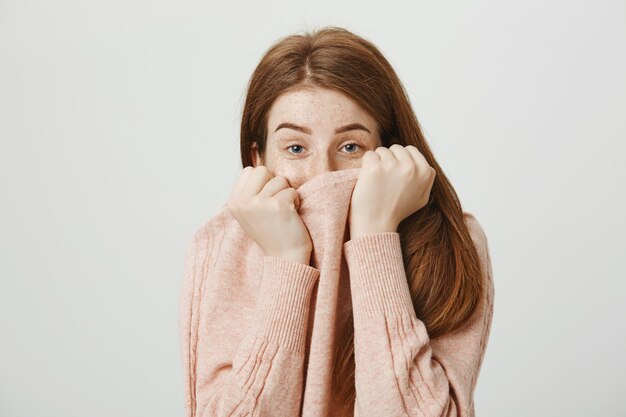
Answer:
(419, 267)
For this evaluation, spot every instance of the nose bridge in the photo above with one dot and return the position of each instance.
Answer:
(324, 162)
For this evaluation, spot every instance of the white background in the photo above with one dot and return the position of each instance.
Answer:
(119, 135)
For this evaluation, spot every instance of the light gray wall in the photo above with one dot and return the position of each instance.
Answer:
(119, 137)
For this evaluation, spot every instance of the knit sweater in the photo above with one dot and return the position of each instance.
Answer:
(258, 332)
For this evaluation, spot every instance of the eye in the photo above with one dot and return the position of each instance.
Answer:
(352, 144)
(295, 146)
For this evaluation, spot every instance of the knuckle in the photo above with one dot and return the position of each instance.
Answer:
(273, 205)
(407, 169)
(282, 180)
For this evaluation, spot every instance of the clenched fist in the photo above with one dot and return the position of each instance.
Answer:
(393, 183)
(266, 208)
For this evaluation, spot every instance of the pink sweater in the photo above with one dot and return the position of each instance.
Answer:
(257, 332)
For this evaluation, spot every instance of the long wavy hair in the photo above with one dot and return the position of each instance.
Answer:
(441, 261)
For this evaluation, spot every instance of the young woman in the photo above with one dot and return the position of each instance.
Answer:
(419, 266)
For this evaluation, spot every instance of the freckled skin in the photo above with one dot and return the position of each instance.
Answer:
(299, 156)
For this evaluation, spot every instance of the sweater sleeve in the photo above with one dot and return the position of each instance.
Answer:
(399, 370)
(263, 376)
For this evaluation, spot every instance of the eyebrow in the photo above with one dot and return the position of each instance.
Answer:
(303, 129)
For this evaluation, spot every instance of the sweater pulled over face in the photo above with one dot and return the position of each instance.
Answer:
(258, 333)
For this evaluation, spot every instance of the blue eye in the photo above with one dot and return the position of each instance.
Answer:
(356, 144)
(296, 146)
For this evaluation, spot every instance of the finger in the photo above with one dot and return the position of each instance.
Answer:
(385, 154)
(422, 164)
(273, 186)
(402, 154)
(241, 180)
(256, 181)
(370, 157)
(289, 196)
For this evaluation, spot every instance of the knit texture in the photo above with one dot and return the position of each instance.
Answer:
(258, 332)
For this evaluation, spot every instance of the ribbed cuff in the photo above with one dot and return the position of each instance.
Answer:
(283, 301)
(378, 280)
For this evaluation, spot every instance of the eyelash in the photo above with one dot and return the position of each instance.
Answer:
(350, 143)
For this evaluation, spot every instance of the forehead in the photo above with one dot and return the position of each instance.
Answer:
(317, 107)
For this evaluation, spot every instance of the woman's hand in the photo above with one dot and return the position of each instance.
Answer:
(393, 183)
(266, 208)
